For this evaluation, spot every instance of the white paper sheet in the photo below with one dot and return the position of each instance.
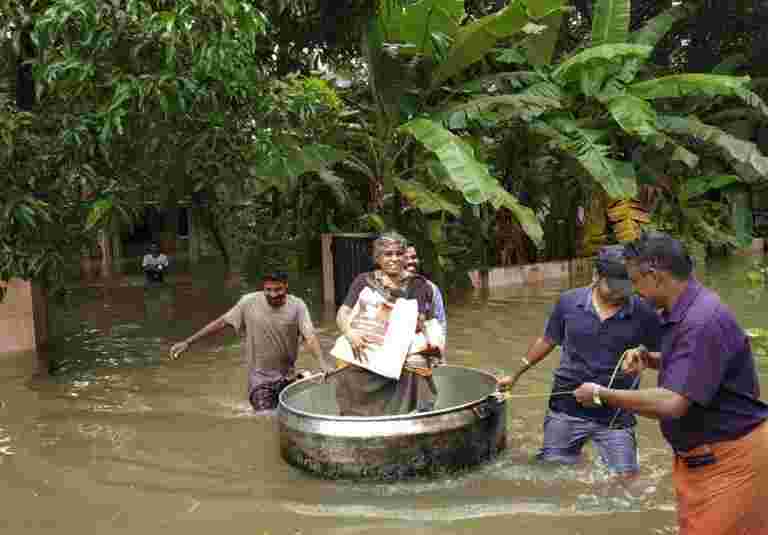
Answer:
(386, 359)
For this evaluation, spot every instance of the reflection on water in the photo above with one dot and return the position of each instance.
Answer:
(120, 439)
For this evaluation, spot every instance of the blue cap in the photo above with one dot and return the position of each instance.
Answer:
(610, 266)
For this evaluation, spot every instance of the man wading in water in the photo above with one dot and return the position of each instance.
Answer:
(274, 322)
(594, 326)
(708, 396)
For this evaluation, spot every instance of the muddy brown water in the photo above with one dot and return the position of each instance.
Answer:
(103, 434)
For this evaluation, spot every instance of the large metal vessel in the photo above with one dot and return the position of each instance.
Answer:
(467, 427)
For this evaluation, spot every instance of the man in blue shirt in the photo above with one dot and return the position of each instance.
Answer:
(411, 264)
(594, 326)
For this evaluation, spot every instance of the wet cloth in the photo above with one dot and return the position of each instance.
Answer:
(722, 488)
(264, 392)
(565, 437)
(360, 392)
(271, 338)
(591, 349)
(706, 357)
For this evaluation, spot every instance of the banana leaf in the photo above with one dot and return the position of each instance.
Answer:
(656, 28)
(743, 156)
(709, 85)
(424, 199)
(610, 22)
(635, 116)
(475, 40)
(521, 106)
(464, 173)
(618, 178)
(699, 185)
(414, 24)
(610, 54)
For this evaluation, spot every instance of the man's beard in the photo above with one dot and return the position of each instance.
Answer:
(276, 302)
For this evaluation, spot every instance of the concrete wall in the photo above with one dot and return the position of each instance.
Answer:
(533, 273)
(23, 317)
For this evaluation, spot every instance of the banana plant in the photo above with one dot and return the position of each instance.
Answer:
(600, 102)
(415, 54)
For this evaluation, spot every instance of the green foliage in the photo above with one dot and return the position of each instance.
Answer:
(656, 28)
(696, 186)
(758, 337)
(463, 172)
(610, 22)
(426, 200)
(744, 156)
(415, 26)
(473, 41)
(141, 101)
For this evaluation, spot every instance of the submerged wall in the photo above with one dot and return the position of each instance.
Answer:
(532, 273)
(528, 274)
(23, 317)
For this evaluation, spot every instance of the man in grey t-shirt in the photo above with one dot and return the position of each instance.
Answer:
(273, 323)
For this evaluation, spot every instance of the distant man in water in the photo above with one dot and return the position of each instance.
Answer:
(411, 262)
(594, 325)
(154, 264)
(274, 322)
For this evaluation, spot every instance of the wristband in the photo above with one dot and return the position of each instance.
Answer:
(596, 396)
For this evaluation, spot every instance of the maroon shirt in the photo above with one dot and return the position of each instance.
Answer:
(706, 357)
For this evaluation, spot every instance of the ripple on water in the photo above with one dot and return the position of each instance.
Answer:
(534, 488)
(431, 514)
(6, 444)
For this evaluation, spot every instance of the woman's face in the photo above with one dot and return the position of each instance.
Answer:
(390, 259)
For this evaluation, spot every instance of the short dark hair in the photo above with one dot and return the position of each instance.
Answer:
(661, 251)
(610, 262)
(275, 276)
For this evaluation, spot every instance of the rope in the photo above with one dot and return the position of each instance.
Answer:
(538, 394)
(566, 392)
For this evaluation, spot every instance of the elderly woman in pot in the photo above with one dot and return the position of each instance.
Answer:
(363, 320)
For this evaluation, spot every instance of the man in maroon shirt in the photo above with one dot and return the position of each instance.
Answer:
(707, 399)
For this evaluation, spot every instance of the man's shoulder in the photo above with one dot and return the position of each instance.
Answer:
(574, 296)
(710, 314)
(707, 309)
(251, 297)
(295, 301)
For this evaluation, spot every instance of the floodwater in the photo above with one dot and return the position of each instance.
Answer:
(103, 434)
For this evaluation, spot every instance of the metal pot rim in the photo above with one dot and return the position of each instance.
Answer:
(395, 417)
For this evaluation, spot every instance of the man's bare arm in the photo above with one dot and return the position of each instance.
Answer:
(213, 327)
(314, 346)
(655, 403)
(538, 351)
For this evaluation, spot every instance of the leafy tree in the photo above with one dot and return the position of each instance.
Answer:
(602, 108)
(134, 101)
